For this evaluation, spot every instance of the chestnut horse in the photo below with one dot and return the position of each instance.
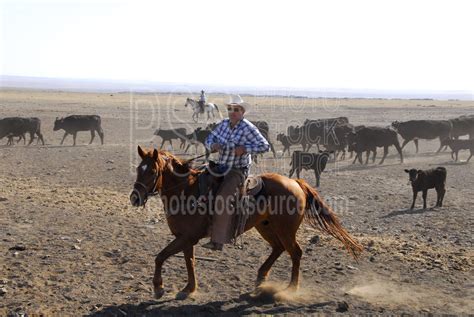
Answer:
(162, 173)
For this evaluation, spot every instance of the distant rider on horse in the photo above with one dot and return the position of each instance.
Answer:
(235, 139)
(202, 101)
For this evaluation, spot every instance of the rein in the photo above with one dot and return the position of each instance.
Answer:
(194, 158)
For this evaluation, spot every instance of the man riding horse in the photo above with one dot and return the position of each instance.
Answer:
(235, 139)
(202, 101)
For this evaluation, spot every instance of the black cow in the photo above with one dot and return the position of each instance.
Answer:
(287, 141)
(367, 140)
(314, 161)
(197, 137)
(75, 123)
(322, 132)
(338, 143)
(350, 139)
(457, 145)
(424, 180)
(423, 129)
(296, 136)
(463, 125)
(172, 134)
(17, 126)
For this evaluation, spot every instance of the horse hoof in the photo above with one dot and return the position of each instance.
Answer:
(159, 293)
(182, 295)
(291, 288)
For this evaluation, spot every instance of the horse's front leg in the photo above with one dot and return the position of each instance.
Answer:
(177, 245)
(192, 283)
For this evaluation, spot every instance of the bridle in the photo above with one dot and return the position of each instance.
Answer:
(154, 191)
(148, 192)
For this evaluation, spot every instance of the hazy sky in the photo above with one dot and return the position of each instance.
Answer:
(339, 44)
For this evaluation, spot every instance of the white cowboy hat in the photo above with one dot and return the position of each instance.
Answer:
(236, 100)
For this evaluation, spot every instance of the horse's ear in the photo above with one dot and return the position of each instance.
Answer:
(155, 154)
(141, 152)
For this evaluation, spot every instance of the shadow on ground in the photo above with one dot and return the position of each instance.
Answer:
(243, 305)
(408, 211)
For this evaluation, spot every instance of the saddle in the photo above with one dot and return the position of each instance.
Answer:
(253, 186)
(202, 105)
(250, 190)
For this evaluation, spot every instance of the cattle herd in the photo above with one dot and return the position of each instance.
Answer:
(18, 127)
(336, 135)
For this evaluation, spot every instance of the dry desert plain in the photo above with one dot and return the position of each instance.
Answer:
(71, 244)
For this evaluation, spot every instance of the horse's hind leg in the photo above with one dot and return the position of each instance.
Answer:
(277, 250)
(294, 249)
(285, 230)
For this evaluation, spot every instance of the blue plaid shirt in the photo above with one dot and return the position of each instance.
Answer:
(244, 133)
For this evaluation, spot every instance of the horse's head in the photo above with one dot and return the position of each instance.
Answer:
(149, 174)
(188, 102)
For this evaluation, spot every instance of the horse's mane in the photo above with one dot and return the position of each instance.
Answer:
(178, 163)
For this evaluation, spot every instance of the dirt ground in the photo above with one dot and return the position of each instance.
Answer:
(71, 244)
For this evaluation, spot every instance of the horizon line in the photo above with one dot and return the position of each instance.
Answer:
(360, 93)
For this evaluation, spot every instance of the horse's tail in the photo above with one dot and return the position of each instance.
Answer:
(320, 215)
(218, 111)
